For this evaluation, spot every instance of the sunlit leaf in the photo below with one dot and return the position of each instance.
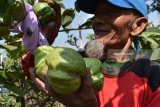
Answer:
(66, 21)
(16, 53)
(58, 1)
(8, 47)
(150, 38)
(13, 39)
(156, 55)
(67, 17)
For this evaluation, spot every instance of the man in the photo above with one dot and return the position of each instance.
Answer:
(127, 82)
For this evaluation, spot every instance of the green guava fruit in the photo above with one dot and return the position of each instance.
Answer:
(65, 68)
(95, 66)
(44, 12)
(39, 60)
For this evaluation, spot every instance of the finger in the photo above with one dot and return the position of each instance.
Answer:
(48, 87)
(41, 86)
(31, 71)
(50, 26)
(87, 81)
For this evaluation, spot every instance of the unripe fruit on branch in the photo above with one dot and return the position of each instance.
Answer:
(95, 66)
(44, 12)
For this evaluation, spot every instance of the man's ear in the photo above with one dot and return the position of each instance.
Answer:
(138, 26)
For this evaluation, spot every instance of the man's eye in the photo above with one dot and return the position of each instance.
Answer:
(109, 11)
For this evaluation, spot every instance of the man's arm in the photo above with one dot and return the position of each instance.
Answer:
(51, 29)
(153, 88)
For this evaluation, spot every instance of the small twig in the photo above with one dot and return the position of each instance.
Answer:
(73, 29)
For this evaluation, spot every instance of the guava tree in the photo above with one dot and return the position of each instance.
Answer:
(20, 90)
(154, 5)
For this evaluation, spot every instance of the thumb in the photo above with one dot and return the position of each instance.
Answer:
(39, 83)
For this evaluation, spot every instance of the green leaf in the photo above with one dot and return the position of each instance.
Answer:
(16, 53)
(150, 38)
(15, 74)
(3, 77)
(152, 42)
(87, 24)
(156, 55)
(8, 47)
(90, 37)
(153, 29)
(2, 101)
(15, 89)
(31, 2)
(58, 1)
(1, 19)
(18, 12)
(10, 2)
(4, 32)
(76, 7)
(67, 17)
(14, 39)
(7, 19)
(3, 6)
(67, 20)
(3, 74)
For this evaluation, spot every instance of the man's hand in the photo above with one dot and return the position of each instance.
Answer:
(51, 29)
(84, 97)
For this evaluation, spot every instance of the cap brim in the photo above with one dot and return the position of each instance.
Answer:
(87, 6)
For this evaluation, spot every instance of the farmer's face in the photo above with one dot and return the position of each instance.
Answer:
(110, 26)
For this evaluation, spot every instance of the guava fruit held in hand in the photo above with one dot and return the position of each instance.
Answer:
(65, 66)
(95, 66)
(39, 60)
(44, 13)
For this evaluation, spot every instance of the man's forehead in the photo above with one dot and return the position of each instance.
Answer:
(106, 6)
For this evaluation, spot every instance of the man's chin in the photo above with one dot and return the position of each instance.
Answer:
(95, 49)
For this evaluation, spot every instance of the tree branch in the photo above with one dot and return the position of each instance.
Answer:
(73, 29)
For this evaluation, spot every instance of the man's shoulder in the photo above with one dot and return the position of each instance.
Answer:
(148, 69)
(145, 65)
